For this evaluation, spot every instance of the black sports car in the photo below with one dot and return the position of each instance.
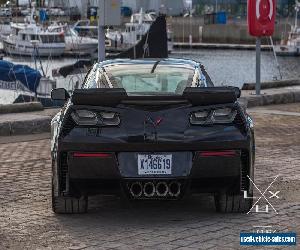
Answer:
(151, 129)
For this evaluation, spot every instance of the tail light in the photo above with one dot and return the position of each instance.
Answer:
(90, 118)
(110, 119)
(85, 117)
(91, 155)
(219, 115)
(224, 115)
(224, 153)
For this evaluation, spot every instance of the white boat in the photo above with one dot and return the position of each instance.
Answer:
(29, 38)
(134, 30)
(75, 43)
(80, 44)
(291, 45)
(84, 28)
(26, 40)
(5, 30)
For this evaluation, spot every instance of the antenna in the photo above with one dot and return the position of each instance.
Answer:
(297, 7)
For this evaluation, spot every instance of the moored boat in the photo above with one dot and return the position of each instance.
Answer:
(138, 26)
(74, 43)
(20, 83)
(29, 38)
(291, 45)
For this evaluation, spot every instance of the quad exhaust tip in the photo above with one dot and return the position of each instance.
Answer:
(162, 189)
(149, 189)
(136, 189)
(174, 188)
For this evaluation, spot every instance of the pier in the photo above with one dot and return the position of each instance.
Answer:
(186, 45)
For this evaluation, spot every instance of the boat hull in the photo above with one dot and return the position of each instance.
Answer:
(286, 50)
(44, 50)
(15, 92)
(81, 48)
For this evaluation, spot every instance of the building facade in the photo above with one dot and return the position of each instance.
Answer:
(171, 7)
(285, 8)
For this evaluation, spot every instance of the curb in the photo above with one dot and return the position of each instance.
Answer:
(273, 84)
(34, 126)
(224, 46)
(269, 99)
(21, 107)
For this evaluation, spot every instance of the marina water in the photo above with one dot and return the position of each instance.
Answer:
(226, 67)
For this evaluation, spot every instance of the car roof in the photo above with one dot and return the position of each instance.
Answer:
(168, 61)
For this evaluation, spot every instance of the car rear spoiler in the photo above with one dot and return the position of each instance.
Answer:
(196, 96)
(211, 95)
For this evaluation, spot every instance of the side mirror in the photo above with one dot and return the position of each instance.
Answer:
(237, 91)
(59, 94)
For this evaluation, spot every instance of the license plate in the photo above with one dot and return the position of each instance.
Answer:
(149, 164)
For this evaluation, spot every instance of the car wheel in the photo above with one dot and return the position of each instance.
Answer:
(68, 205)
(232, 203)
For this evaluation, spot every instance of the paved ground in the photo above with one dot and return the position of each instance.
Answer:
(27, 222)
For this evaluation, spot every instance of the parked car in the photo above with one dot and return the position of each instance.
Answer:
(151, 129)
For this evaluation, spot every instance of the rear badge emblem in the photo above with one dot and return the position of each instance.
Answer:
(155, 122)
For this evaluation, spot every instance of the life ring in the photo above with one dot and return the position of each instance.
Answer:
(264, 10)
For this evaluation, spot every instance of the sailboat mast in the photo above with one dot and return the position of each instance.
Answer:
(297, 6)
(101, 32)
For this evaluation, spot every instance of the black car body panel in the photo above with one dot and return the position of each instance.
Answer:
(174, 134)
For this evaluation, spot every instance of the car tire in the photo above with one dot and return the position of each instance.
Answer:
(232, 203)
(69, 205)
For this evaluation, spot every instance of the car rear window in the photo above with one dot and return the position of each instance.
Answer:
(154, 78)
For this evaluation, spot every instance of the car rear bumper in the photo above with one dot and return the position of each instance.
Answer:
(123, 165)
(206, 166)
